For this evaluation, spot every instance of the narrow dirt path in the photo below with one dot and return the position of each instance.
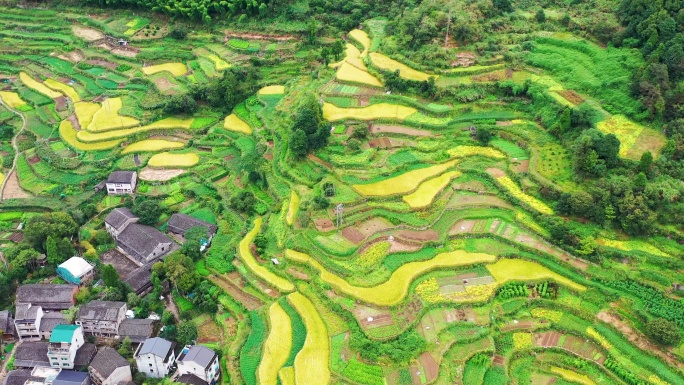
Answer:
(14, 145)
(3, 372)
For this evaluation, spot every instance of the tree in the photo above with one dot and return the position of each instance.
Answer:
(193, 242)
(540, 16)
(51, 251)
(483, 135)
(503, 6)
(312, 28)
(663, 331)
(102, 238)
(40, 227)
(645, 162)
(325, 55)
(126, 348)
(178, 32)
(109, 276)
(25, 259)
(147, 210)
(186, 333)
(337, 49)
(180, 104)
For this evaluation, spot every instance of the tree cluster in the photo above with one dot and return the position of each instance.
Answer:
(226, 92)
(309, 130)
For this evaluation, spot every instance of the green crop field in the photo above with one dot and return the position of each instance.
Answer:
(357, 193)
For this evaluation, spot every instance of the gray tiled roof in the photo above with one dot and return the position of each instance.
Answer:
(140, 279)
(84, 355)
(199, 354)
(71, 377)
(25, 311)
(138, 330)
(19, 377)
(139, 241)
(190, 379)
(180, 223)
(31, 354)
(107, 360)
(51, 320)
(101, 311)
(156, 346)
(117, 217)
(121, 177)
(49, 296)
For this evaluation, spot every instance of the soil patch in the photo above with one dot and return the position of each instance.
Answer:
(363, 101)
(323, 224)
(120, 262)
(430, 366)
(522, 166)
(33, 160)
(499, 360)
(504, 123)
(419, 235)
(320, 161)
(102, 63)
(12, 188)
(380, 143)
(392, 129)
(372, 226)
(88, 34)
(127, 52)
(472, 185)
(298, 274)
(495, 172)
(61, 103)
(248, 300)
(209, 331)
(491, 76)
(160, 175)
(477, 200)
(571, 96)
(74, 122)
(353, 235)
(401, 247)
(164, 85)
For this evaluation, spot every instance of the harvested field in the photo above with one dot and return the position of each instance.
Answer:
(383, 62)
(152, 174)
(102, 63)
(12, 189)
(373, 225)
(403, 130)
(419, 235)
(88, 34)
(353, 235)
(247, 300)
(430, 366)
(571, 96)
(459, 201)
(324, 225)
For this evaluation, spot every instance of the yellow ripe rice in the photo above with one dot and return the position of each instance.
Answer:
(373, 112)
(108, 118)
(362, 38)
(260, 271)
(572, 376)
(176, 69)
(395, 289)
(151, 145)
(311, 363)
(277, 346)
(350, 73)
(293, 207)
(65, 89)
(272, 90)
(505, 270)
(234, 123)
(169, 160)
(168, 123)
(465, 151)
(428, 190)
(403, 183)
(69, 135)
(514, 190)
(12, 99)
(37, 86)
(85, 112)
(383, 62)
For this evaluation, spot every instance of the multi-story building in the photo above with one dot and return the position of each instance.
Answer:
(76, 270)
(64, 343)
(155, 357)
(121, 182)
(47, 296)
(27, 322)
(101, 318)
(199, 361)
(142, 244)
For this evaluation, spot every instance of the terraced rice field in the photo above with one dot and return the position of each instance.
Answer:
(37, 86)
(277, 346)
(373, 112)
(69, 135)
(176, 69)
(292, 208)
(63, 88)
(151, 145)
(506, 270)
(428, 190)
(168, 160)
(12, 99)
(272, 90)
(260, 271)
(311, 363)
(385, 63)
(394, 290)
(234, 123)
(352, 74)
(107, 117)
(404, 183)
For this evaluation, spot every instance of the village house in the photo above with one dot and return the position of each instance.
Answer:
(121, 182)
(7, 326)
(109, 368)
(76, 270)
(199, 361)
(47, 296)
(64, 343)
(155, 357)
(101, 318)
(31, 354)
(137, 330)
(27, 322)
(143, 244)
(71, 377)
(180, 223)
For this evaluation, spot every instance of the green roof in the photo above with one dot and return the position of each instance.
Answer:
(63, 333)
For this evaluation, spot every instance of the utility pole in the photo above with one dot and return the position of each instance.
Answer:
(338, 213)
(446, 37)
